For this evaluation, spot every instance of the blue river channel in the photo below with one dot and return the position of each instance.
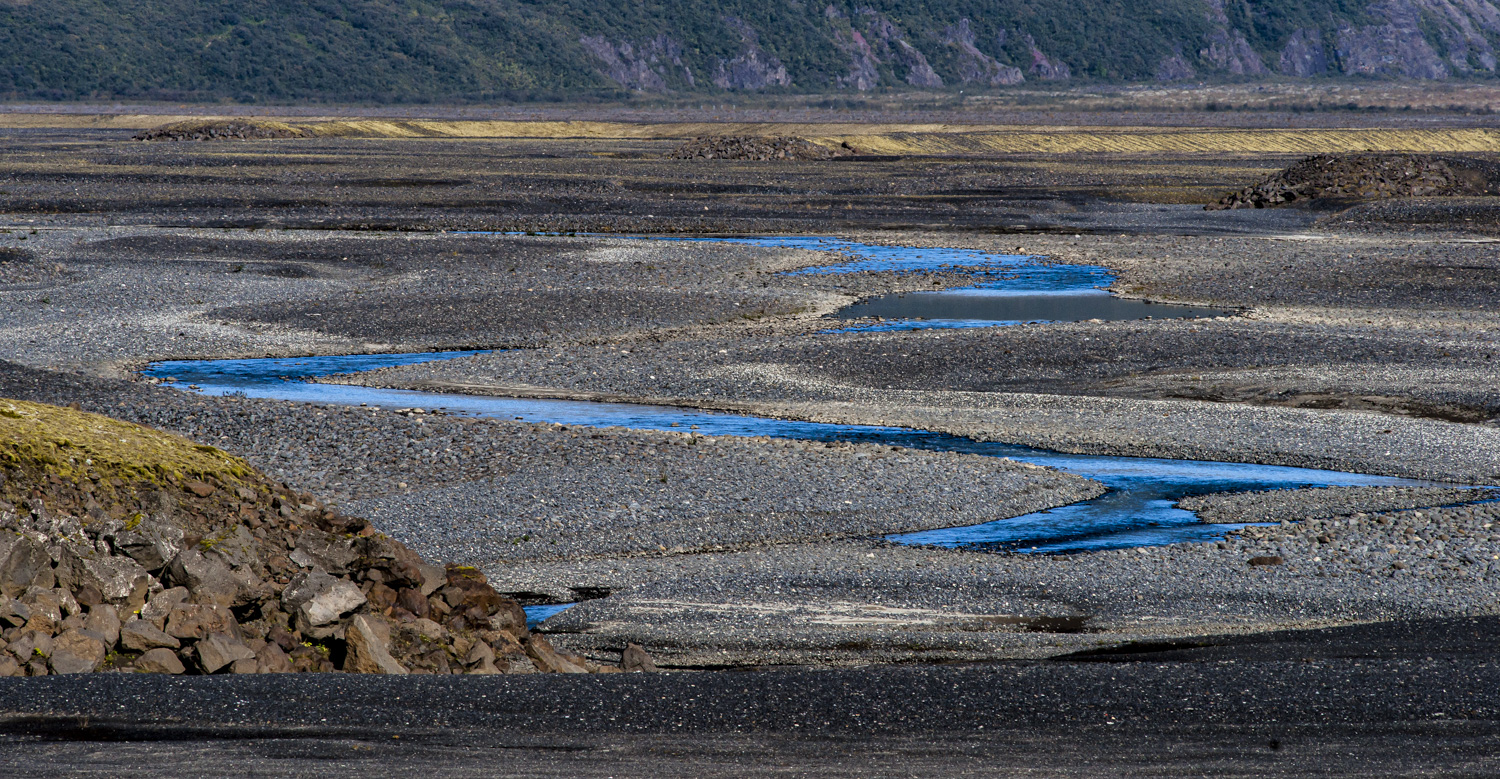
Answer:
(1139, 508)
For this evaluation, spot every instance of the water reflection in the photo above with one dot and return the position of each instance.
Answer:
(1137, 511)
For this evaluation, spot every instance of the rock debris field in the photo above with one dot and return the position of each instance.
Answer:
(753, 148)
(127, 549)
(1367, 177)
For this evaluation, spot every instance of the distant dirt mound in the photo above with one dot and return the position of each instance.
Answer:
(1369, 176)
(746, 147)
(219, 130)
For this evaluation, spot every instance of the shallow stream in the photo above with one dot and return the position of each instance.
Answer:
(1017, 288)
(1138, 510)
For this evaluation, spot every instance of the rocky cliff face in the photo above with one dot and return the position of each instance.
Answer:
(1304, 55)
(874, 48)
(1227, 48)
(754, 68)
(973, 65)
(871, 40)
(649, 66)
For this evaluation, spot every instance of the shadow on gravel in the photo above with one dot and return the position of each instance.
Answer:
(70, 728)
(75, 729)
(1476, 637)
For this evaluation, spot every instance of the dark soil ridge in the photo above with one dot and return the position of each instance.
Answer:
(1368, 177)
(219, 130)
(188, 560)
(749, 147)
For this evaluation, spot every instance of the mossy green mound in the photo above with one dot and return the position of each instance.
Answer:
(72, 445)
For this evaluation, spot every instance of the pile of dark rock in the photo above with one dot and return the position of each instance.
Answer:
(749, 147)
(218, 130)
(174, 572)
(1369, 176)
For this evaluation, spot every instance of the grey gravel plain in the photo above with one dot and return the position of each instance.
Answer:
(502, 494)
(1363, 345)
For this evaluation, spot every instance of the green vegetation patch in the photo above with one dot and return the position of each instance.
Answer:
(75, 444)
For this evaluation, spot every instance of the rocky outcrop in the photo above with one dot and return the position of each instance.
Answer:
(1044, 67)
(870, 40)
(1227, 48)
(890, 44)
(1229, 51)
(124, 548)
(1463, 28)
(1304, 55)
(1174, 68)
(1394, 49)
(649, 66)
(974, 66)
(754, 69)
(1369, 176)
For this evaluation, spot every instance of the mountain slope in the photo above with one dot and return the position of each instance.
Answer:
(446, 50)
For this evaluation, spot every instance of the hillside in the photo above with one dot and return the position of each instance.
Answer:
(462, 50)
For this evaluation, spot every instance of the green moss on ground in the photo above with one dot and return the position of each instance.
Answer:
(73, 445)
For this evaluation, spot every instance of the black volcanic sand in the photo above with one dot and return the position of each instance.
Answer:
(1416, 697)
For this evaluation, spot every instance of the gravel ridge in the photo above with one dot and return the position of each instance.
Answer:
(1323, 502)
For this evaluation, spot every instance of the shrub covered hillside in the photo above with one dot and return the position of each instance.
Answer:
(461, 50)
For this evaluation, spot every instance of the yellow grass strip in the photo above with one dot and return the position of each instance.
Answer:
(904, 139)
(1190, 141)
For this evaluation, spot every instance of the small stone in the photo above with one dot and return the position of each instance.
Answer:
(369, 644)
(1266, 560)
(195, 620)
(329, 604)
(138, 635)
(249, 665)
(207, 579)
(304, 587)
(159, 661)
(31, 646)
(409, 598)
(430, 630)
(152, 545)
(201, 489)
(219, 650)
(634, 658)
(112, 576)
(273, 660)
(104, 621)
(76, 652)
(550, 660)
(481, 659)
(13, 612)
(46, 612)
(28, 565)
(317, 549)
(381, 597)
(161, 605)
(9, 666)
(434, 578)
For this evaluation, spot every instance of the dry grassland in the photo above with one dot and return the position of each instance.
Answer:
(892, 139)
